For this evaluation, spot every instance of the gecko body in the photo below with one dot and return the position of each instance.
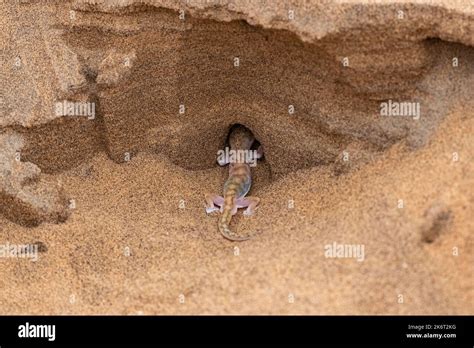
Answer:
(237, 185)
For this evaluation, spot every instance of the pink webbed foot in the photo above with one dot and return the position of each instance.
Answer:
(212, 201)
(248, 202)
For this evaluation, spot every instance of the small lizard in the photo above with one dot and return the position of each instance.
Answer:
(237, 185)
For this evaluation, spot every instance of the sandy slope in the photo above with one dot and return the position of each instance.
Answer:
(177, 251)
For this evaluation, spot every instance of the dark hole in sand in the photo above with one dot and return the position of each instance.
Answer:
(255, 144)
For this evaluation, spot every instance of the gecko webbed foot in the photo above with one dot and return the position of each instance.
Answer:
(211, 202)
(250, 203)
(210, 210)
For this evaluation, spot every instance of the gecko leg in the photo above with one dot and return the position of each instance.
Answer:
(260, 152)
(211, 202)
(248, 202)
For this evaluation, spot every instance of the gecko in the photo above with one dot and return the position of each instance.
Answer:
(237, 185)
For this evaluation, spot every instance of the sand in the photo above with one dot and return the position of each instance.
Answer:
(128, 247)
(115, 202)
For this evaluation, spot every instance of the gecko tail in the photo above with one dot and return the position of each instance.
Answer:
(225, 230)
(227, 233)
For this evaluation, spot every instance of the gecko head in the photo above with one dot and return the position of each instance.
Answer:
(241, 138)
